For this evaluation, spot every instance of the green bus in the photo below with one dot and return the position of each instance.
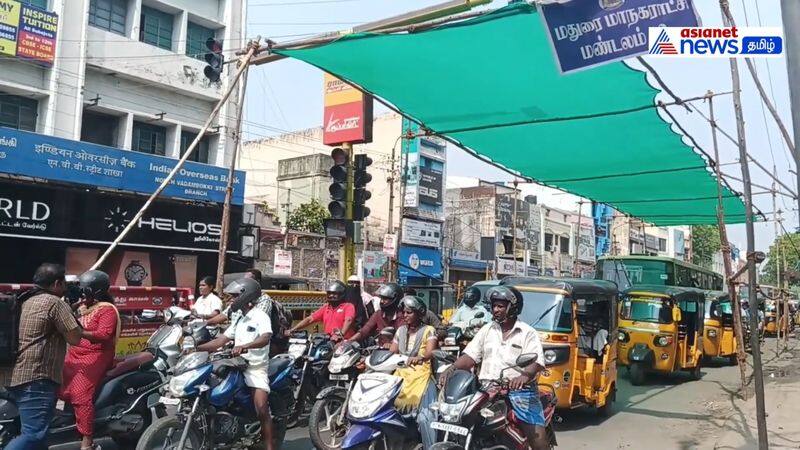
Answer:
(628, 271)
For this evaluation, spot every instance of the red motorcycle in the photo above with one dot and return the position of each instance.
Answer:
(477, 416)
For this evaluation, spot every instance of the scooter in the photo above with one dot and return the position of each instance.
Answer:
(128, 401)
(216, 408)
(474, 417)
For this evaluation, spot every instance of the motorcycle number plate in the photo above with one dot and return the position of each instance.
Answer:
(169, 401)
(297, 341)
(342, 377)
(449, 348)
(450, 428)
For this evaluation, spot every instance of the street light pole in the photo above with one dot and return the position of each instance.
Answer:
(791, 17)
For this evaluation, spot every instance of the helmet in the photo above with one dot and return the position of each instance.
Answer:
(391, 291)
(247, 291)
(414, 304)
(337, 288)
(94, 283)
(472, 296)
(507, 294)
(353, 279)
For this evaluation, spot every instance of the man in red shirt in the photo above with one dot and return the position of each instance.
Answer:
(337, 315)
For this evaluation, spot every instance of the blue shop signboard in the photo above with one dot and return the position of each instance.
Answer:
(586, 33)
(52, 158)
(418, 262)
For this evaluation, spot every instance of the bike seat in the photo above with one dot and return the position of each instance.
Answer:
(134, 362)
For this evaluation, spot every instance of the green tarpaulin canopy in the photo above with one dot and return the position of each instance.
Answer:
(491, 84)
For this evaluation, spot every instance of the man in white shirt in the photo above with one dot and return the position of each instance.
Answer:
(470, 307)
(497, 346)
(250, 332)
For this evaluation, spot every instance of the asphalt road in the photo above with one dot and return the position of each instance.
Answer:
(669, 412)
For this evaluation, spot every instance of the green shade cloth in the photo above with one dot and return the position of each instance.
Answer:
(491, 84)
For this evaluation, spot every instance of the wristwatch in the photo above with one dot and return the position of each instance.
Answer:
(135, 273)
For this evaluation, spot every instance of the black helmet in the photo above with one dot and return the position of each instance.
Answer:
(246, 290)
(472, 296)
(94, 284)
(507, 294)
(414, 304)
(338, 288)
(391, 291)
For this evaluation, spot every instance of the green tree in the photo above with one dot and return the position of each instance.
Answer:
(788, 246)
(705, 242)
(309, 217)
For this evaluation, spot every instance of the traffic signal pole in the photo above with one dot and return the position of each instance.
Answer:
(349, 248)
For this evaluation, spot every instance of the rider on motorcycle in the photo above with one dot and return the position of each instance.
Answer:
(496, 347)
(417, 341)
(388, 316)
(337, 316)
(470, 306)
(250, 333)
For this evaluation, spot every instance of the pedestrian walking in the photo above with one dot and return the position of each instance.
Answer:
(46, 326)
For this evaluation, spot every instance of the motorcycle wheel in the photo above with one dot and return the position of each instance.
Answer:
(325, 433)
(165, 434)
(299, 409)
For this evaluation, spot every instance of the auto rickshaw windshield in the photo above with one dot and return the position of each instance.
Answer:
(646, 309)
(546, 311)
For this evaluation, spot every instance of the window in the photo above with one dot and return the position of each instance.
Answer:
(18, 112)
(200, 153)
(548, 242)
(662, 245)
(155, 28)
(196, 37)
(99, 128)
(149, 139)
(109, 15)
(40, 3)
(564, 244)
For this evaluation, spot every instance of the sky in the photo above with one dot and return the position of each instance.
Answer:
(287, 95)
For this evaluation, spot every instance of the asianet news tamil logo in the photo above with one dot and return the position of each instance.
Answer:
(709, 42)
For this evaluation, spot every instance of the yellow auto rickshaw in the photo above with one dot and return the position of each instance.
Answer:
(661, 330)
(720, 340)
(770, 318)
(577, 323)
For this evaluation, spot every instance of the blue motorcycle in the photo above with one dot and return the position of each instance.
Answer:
(215, 406)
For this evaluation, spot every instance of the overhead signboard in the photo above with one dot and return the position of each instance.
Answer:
(431, 183)
(510, 267)
(424, 234)
(27, 32)
(347, 113)
(587, 33)
(36, 155)
(419, 262)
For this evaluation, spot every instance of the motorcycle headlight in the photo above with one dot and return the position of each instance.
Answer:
(190, 362)
(178, 384)
(449, 341)
(363, 410)
(452, 412)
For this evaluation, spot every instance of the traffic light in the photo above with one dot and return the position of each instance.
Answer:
(360, 180)
(215, 60)
(338, 189)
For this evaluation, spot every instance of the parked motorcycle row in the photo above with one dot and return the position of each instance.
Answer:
(200, 400)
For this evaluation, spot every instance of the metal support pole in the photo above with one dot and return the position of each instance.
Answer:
(390, 225)
(791, 17)
(514, 227)
(758, 376)
(287, 206)
(741, 356)
(349, 244)
(168, 179)
(776, 217)
(226, 209)
(575, 269)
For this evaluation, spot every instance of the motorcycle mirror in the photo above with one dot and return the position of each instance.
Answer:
(480, 315)
(526, 360)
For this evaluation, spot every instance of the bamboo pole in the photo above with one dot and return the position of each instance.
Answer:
(135, 220)
(741, 356)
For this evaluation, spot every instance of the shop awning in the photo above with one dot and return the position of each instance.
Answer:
(491, 84)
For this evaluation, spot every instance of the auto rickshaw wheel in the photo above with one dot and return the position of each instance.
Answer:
(638, 373)
(607, 410)
(696, 373)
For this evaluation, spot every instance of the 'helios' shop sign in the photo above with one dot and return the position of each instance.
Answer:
(52, 158)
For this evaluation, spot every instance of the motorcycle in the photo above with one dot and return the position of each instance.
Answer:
(327, 422)
(456, 339)
(128, 400)
(310, 356)
(216, 408)
(473, 416)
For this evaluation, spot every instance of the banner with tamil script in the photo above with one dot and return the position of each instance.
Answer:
(40, 156)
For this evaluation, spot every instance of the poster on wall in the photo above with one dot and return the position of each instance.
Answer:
(283, 262)
(374, 266)
(27, 32)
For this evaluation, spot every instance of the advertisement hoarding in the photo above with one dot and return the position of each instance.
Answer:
(419, 262)
(424, 234)
(373, 264)
(347, 115)
(27, 32)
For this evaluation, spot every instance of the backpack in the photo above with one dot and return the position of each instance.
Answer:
(280, 317)
(10, 314)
